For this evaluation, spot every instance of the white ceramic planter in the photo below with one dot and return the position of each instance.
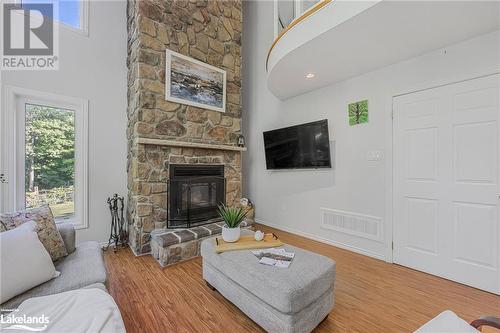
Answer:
(230, 235)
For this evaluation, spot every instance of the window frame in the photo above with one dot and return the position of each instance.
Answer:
(84, 18)
(13, 149)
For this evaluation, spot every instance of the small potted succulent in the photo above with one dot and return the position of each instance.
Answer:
(232, 216)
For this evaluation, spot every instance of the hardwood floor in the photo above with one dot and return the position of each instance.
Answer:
(371, 296)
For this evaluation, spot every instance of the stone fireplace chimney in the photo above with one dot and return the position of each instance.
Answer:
(161, 133)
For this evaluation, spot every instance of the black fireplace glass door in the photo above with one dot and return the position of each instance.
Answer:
(194, 201)
(199, 195)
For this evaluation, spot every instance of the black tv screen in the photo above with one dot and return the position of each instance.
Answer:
(298, 147)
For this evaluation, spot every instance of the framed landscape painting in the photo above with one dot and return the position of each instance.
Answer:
(192, 82)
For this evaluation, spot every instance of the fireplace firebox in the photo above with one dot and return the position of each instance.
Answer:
(195, 191)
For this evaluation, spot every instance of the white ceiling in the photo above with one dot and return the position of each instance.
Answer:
(385, 33)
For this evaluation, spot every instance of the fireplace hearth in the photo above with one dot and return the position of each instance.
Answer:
(195, 191)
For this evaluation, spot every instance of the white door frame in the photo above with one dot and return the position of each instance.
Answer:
(389, 169)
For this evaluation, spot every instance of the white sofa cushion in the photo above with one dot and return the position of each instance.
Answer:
(447, 322)
(25, 262)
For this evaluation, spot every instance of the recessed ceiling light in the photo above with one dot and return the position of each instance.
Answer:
(310, 75)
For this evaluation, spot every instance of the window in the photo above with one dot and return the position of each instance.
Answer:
(72, 13)
(48, 143)
(285, 11)
(49, 155)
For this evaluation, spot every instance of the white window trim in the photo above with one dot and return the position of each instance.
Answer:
(13, 140)
(84, 18)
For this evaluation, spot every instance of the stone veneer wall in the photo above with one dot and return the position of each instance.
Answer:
(209, 31)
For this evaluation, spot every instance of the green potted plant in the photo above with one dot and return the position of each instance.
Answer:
(232, 216)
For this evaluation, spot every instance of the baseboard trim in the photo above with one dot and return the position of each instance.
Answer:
(102, 245)
(324, 240)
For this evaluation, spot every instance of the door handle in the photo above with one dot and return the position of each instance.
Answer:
(3, 180)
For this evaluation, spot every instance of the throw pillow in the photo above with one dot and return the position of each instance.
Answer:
(25, 262)
(46, 228)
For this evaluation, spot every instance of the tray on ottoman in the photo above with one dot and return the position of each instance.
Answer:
(293, 299)
(247, 242)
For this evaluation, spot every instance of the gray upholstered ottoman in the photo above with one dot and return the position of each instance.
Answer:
(293, 299)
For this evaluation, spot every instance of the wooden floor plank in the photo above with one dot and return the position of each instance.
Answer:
(371, 296)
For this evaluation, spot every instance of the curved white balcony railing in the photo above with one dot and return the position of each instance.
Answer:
(336, 40)
(313, 9)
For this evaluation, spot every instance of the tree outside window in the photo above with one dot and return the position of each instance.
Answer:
(50, 159)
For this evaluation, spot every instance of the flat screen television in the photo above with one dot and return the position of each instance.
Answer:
(305, 146)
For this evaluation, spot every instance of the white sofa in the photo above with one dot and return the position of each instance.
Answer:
(82, 268)
(75, 301)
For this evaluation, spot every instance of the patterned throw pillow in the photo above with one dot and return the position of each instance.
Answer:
(45, 225)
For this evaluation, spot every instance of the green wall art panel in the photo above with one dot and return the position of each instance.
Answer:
(358, 113)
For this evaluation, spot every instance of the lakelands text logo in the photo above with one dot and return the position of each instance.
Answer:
(30, 39)
(24, 322)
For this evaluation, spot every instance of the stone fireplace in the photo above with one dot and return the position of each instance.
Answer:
(163, 135)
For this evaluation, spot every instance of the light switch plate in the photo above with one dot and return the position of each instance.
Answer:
(374, 155)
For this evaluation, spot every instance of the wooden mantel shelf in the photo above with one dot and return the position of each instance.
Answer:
(175, 143)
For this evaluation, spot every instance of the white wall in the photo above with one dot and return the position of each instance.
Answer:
(291, 200)
(94, 67)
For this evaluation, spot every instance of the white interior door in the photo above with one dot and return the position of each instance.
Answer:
(446, 192)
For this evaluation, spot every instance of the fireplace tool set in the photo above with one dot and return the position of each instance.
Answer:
(118, 235)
